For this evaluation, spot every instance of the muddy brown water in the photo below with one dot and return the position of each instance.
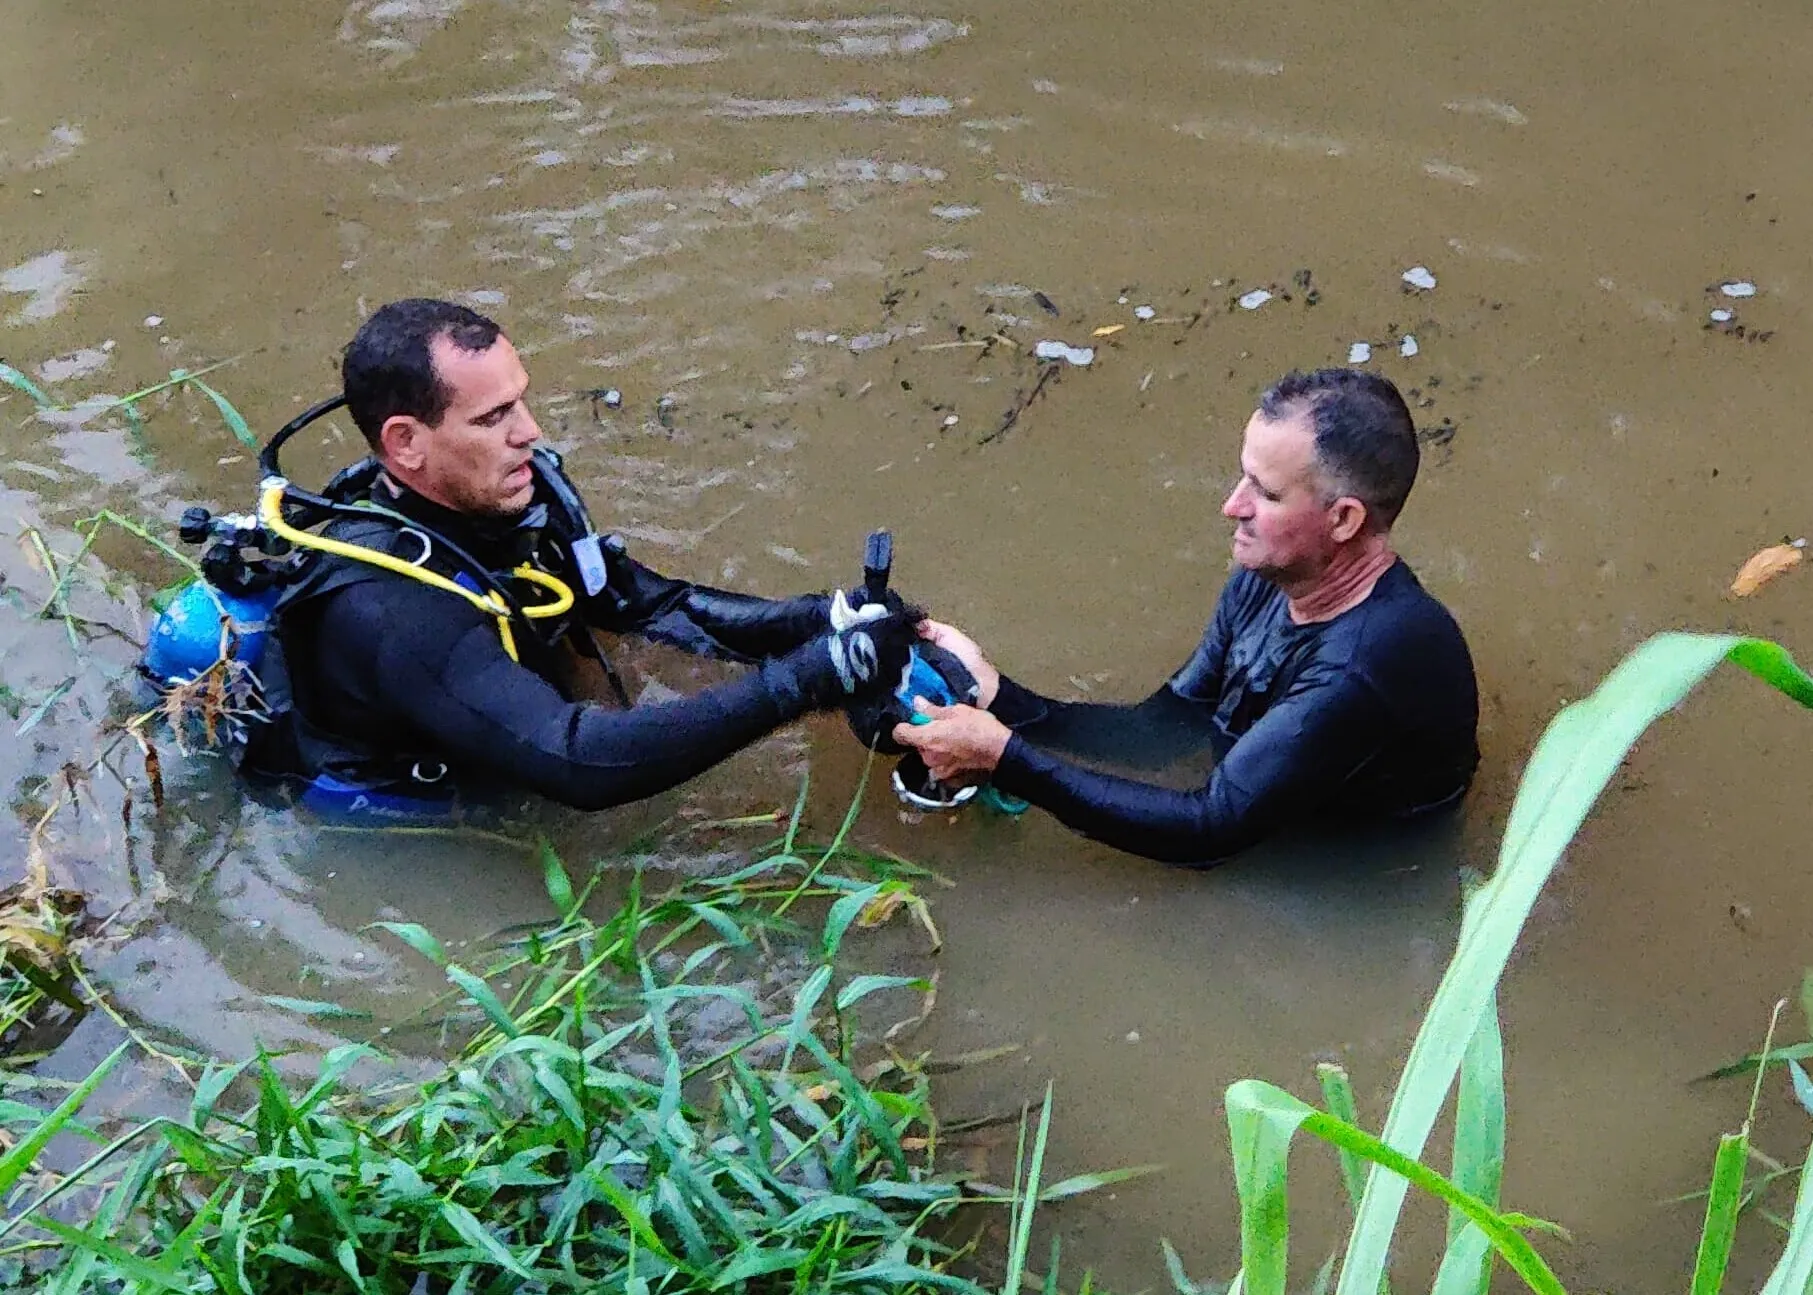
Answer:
(776, 215)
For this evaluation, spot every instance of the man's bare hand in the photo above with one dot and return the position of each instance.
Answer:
(960, 744)
(963, 647)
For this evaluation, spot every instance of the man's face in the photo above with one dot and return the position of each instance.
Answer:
(1284, 524)
(476, 459)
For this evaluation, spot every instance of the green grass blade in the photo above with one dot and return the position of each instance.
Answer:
(1180, 1280)
(315, 1008)
(1077, 1184)
(1568, 770)
(1463, 1270)
(476, 1235)
(860, 987)
(844, 912)
(1771, 1057)
(488, 1002)
(1721, 1213)
(17, 380)
(554, 876)
(804, 1003)
(1803, 1086)
(418, 938)
(26, 1150)
(1479, 1117)
(1324, 1278)
(1337, 1093)
(121, 1260)
(1262, 1120)
(235, 421)
(1793, 1272)
(1027, 1194)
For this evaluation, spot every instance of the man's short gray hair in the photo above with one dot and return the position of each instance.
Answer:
(1365, 438)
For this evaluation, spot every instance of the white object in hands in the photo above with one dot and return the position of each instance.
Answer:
(844, 616)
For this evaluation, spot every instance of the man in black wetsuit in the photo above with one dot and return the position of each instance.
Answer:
(403, 689)
(1329, 683)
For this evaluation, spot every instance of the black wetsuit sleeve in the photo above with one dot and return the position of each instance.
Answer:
(1284, 768)
(1174, 722)
(438, 669)
(1151, 734)
(701, 619)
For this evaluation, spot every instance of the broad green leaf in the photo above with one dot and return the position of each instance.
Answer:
(488, 1002)
(551, 1083)
(860, 987)
(748, 1264)
(417, 938)
(1262, 1120)
(476, 1235)
(800, 1026)
(16, 1161)
(300, 1258)
(316, 1008)
(843, 912)
(349, 1262)
(1722, 1205)
(734, 933)
(208, 1092)
(554, 876)
(632, 1214)
(334, 1067)
(1569, 768)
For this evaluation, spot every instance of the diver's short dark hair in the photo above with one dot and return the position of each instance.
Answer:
(1365, 437)
(388, 369)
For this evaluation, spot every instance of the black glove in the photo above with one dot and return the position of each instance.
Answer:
(867, 660)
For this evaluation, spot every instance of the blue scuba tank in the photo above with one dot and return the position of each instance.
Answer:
(186, 637)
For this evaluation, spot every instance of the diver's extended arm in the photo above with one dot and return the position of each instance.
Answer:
(437, 669)
(699, 618)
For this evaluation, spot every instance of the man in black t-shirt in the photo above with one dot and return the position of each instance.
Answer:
(1330, 684)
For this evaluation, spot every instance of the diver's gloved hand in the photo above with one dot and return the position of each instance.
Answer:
(867, 659)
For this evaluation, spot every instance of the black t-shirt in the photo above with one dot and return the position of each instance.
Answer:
(1373, 714)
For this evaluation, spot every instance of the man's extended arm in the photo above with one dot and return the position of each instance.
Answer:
(1287, 766)
(699, 618)
(438, 668)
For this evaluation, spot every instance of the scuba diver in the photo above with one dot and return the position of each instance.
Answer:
(1330, 685)
(426, 609)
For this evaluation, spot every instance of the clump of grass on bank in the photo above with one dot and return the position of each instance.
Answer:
(637, 1114)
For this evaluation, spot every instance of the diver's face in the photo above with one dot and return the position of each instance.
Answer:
(476, 458)
(1283, 519)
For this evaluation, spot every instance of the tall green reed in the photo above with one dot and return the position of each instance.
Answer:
(1458, 1038)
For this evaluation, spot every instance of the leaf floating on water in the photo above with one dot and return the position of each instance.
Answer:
(1107, 330)
(1765, 566)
